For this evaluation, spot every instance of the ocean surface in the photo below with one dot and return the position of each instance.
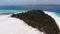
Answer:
(14, 9)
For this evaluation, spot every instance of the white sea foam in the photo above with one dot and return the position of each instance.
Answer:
(56, 18)
(9, 25)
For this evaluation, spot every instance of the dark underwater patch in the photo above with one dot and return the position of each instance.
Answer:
(38, 19)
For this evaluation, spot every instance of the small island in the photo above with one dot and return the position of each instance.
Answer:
(38, 19)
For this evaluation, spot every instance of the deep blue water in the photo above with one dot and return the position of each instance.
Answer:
(47, 8)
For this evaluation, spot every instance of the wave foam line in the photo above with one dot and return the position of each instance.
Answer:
(53, 15)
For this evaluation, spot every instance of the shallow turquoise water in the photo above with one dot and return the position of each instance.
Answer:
(58, 14)
(11, 11)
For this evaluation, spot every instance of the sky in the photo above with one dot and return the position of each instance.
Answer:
(27, 2)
